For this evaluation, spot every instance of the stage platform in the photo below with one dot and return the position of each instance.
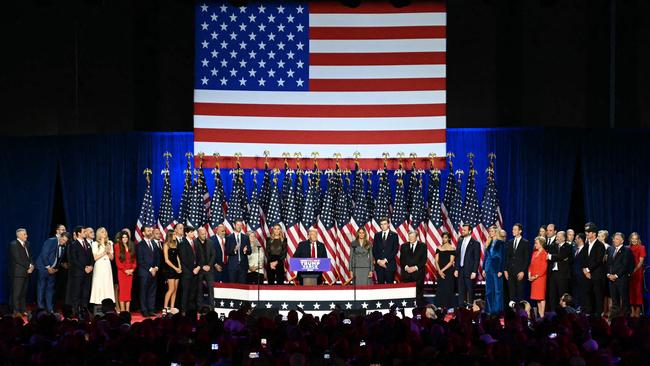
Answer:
(316, 300)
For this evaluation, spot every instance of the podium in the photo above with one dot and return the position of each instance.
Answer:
(310, 268)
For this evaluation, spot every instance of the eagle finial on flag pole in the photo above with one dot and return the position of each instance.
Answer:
(298, 156)
(147, 174)
(400, 156)
(216, 162)
(200, 155)
(450, 156)
(356, 155)
(238, 156)
(167, 155)
(432, 158)
(413, 156)
(337, 157)
(286, 157)
(471, 170)
(189, 157)
(266, 159)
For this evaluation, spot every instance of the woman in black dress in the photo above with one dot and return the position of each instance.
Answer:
(172, 270)
(277, 252)
(445, 260)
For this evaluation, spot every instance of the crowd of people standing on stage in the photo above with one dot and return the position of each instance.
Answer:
(178, 272)
(565, 271)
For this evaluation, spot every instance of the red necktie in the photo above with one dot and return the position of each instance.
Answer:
(313, 250)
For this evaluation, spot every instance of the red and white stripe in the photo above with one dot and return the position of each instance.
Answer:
(328, 237)
(433, 240)
(294, 237)
(375, 70)
(402, 235)
(431, 244)
(449, 226)
(480, 234)
(138, 235)
(346, 236)
(262, 232)
(163, 229)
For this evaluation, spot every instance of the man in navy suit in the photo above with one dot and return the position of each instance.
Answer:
(219, 240)
(238, 247)
(81, 262)
(147, 256)
(311, 248)
(384, 251)
(468, 255)
(48, 264)
(579, 282)
(516, 263)
(619, 267)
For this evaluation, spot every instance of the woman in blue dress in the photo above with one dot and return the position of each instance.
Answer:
(493, 271)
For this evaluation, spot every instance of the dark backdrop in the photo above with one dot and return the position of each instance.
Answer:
(84, 66)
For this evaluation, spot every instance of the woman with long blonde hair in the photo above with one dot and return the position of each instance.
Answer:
(172, 270)
(277, 253)
(102, 285)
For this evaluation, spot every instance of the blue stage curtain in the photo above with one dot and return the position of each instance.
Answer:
(615, 171)
(27, 180)
(102, 176)
(534, 170)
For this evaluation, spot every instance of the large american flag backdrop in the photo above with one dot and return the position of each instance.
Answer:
(304, 77)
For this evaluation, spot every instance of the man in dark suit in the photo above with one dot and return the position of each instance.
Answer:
(20, 267)
(594, 271)
(413, 259)
(48, 264)
(579, 281)
(160, 280)
(311, 248)
(560, 258)
(220, 257)
(516, 264)
(148, 261)
(206, 258)
(89, 238)
(468, 256)
(384, 251)
(81, 262)
(238, 247)
(61, 281)
(188, 252)
(550, 236)
(619, 267)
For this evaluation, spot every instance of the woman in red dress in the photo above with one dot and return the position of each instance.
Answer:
(126, 264)
(636, 279)
(537, 275)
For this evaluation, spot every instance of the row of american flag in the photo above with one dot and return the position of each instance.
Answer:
(335, 202)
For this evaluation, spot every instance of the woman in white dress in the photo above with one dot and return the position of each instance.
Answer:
(256, 261)
(102, 285)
